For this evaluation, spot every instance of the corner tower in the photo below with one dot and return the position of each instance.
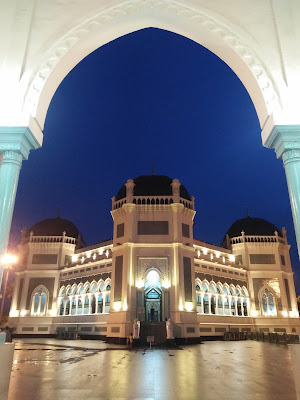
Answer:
(152, 270)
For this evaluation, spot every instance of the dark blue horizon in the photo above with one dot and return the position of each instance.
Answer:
(153, 96)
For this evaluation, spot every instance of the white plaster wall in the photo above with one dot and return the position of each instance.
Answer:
(42, 41)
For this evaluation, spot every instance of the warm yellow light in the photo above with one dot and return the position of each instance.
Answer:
(217, 254)
(101, 251)
(53, 313)
(9, 259)
(125, 306)
(107, 253)
(199, 253)
(88, 254)
(232, 258)
(294, 314)
(139, 284)
(166, 284)
(74, 257)
(189, 306)
(253, 313)
(284, 313)
(23, 313)
(117, 305)
(205, 251)
(180, 306)
(14, 313)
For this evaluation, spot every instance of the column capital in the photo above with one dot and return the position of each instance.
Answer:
(12, 157)
(17, 139)
(283, 139)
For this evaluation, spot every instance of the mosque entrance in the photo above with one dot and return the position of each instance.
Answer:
(153, 304)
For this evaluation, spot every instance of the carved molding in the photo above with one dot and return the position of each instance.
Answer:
(159, 263)
(9, 156)
(291, 155)
(100, 20)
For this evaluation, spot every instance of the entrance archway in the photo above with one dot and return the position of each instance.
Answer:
(30, 83)
(153, 297)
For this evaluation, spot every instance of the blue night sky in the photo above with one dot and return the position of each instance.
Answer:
(152, 96)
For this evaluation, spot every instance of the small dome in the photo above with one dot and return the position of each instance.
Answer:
(153, 185)
(251, 227)
(54, 227)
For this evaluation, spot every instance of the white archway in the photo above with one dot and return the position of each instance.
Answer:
(46, 40)
(120, 20)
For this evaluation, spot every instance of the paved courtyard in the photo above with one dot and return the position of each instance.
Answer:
(63, 370)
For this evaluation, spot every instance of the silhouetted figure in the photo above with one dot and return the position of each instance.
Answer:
(8, 334)
(152, 313)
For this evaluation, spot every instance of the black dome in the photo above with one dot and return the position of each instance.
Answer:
(252, 227)
(153, 185)
(54, 227)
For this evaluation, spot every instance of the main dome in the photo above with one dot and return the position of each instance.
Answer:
(153, 185)
(54, 227)
(252, 227)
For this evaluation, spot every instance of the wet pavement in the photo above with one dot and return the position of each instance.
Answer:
(50, 369)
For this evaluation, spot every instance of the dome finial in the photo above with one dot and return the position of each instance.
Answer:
(153, 173)
(248, 213)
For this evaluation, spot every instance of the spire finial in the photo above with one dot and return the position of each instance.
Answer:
(153, 173)
(248, 213)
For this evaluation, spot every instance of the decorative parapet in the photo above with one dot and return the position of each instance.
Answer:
(50, 239)
(258, 239)
(152, 200)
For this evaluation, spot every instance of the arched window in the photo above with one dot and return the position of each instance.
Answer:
(101, 287)
(73, 310)
(107, 303)
(67, 309)
(86, 305)
(197, 287)
(268, 303)
(94, 288)
(205, 287)
(80, 289)
(79, 307)
(39, 301)
(100, 304)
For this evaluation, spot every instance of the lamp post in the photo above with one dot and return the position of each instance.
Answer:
(7, 261)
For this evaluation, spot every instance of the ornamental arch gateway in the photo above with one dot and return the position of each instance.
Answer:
(259, 42)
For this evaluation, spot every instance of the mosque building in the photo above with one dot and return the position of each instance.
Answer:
(153, 277)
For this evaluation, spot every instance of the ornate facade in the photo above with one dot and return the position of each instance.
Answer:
(152, 271)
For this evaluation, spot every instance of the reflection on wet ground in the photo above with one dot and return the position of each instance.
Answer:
(51, 369)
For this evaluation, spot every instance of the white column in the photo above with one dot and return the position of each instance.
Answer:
(242, 306)
(96, 305)
(71, 303)
(76, 299)
(285, 140)
(103, 301)
(90, 311)
(235, 302)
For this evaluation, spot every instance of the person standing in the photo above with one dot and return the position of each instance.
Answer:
(152, 313)
(130, 341)
(8, 335)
